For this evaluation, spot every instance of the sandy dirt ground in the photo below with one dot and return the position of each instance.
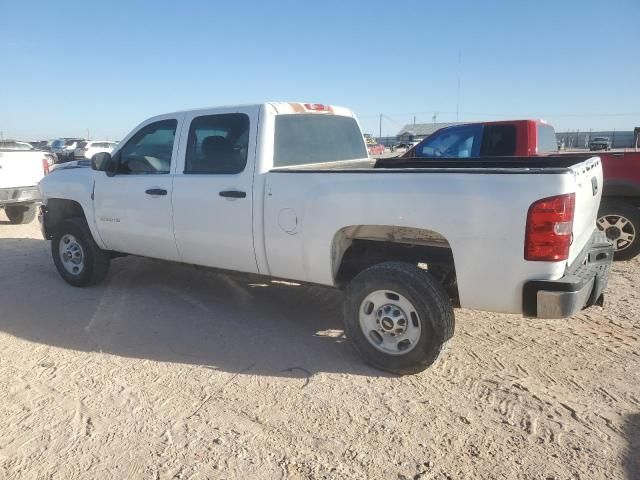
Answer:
(169, 372)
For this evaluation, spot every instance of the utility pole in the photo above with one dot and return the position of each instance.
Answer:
(380, 131)
(414, 119)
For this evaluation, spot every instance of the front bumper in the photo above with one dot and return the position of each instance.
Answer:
(18, 195)
(581, 287)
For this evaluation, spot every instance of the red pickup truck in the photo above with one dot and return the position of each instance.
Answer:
(619, 213)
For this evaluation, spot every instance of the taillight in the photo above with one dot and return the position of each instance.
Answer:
(317, 107)
(45, 165)
(549, 225)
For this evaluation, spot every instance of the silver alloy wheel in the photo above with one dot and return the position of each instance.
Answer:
(618, 229)
(71, 254)
(390, 322)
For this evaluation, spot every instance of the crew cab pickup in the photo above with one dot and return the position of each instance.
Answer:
(619, 215)
(21, 170)
(287, 190)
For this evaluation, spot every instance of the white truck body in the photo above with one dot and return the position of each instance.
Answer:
(289, 223)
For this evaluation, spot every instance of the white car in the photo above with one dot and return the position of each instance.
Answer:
(87, 149)
(287, 190)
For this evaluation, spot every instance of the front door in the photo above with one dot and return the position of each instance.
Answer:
(133, 207)
(212, 193)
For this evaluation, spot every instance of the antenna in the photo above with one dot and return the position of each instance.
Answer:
(458, 91)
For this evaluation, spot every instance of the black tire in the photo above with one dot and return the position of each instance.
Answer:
(20, 214)
(617, 208)
(95, 261)
(431, 304)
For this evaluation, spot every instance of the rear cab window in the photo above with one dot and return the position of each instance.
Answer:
(306, 139)
(547, 142)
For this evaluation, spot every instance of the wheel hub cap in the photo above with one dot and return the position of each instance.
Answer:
(390, 322)
(71, 254)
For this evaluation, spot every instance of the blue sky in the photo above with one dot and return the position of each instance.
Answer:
(69, 66)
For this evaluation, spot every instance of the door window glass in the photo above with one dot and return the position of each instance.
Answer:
(218, 144)
(149, 150)
(453, 142)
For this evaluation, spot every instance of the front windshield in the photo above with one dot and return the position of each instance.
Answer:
(456, 142)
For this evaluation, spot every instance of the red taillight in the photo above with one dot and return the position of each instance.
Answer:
(317, 107)
(45, 165)
(549, 225)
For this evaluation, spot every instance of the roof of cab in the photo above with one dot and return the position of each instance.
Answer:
(279, 107)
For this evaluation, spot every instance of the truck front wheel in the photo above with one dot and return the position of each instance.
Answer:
(20, 214)
(77, 257)
(398, 317)
(620, 221)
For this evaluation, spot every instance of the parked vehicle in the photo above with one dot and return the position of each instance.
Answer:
(600, 143)
(21, 169)
(376, 149)
(619, 215)
(259, 189)
(87, 149)
(64, 148)
(15, 145)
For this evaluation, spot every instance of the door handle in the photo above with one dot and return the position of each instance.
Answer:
(233, 194)
(156, 191)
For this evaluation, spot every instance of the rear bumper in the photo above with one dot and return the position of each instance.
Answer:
(581, 287)
(18, 195)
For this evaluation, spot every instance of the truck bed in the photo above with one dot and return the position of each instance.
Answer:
(525, 165)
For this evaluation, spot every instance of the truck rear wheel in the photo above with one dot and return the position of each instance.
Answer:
(77, 257)
(398, 317)
(20, 214)
(620, 221)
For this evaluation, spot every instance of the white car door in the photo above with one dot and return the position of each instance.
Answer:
(212, 194)
(133, 207)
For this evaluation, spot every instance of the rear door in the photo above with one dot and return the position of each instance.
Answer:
(133, 207)
(213, 189)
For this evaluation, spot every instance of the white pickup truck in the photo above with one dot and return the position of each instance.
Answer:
(287, 190)
(21, 169)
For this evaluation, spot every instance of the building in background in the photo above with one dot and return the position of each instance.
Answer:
(414, 132)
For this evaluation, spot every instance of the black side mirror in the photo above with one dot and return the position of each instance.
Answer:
(103, 162)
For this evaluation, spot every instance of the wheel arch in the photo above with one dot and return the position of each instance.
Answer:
(357, 247)
(58, 210)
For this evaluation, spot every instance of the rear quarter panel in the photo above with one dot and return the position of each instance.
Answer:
(481, 215)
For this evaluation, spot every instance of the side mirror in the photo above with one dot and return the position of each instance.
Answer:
(103, 162)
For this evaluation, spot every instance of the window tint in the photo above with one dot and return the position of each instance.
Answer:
(218, 144)
(312, 138)
(455, 142)
(149, 150)
(81, 144)
(546, 139)
(499, 141)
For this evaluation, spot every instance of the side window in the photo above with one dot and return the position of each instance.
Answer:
(453, 142)
(149, 150)
(499, 141)
(217, 144)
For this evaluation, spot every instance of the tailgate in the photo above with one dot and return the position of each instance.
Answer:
(588, 184)
(20, 169)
